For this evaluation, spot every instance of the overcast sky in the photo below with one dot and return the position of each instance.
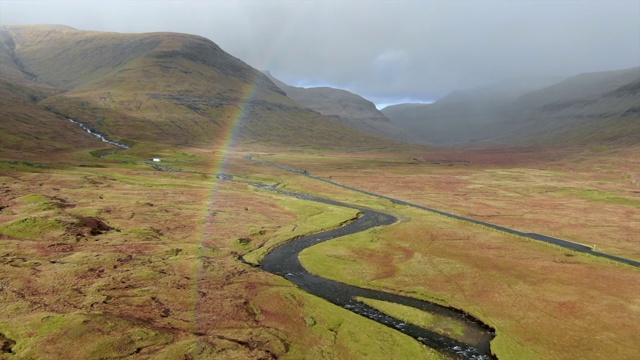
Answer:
(386, 51)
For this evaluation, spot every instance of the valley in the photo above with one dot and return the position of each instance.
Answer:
(172, 243)
(162, 199)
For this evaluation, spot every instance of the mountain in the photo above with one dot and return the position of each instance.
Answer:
(152, 89)
(505, 90)
(463, 115)
(587, 108)
(29, 131)
(346, 108)
(602, 107)
(26, 129)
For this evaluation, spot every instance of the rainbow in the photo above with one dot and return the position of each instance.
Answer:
(226, 144)
(227, 140)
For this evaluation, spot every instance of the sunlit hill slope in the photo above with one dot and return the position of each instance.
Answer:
(158, 88)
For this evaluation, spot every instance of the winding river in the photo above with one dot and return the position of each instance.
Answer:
(284, 261)
(533, 236)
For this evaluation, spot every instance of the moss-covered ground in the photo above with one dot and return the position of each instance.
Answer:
(118, 260)
(107, 258)
(544, 301)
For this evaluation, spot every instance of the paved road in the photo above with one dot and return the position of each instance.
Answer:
(538, 237)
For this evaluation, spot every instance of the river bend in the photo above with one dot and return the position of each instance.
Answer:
(533, 236)
(284, 261)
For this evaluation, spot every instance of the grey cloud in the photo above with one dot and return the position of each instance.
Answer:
(387, 51)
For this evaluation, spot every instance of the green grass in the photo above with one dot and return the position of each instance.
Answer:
(34, 199)
(32, 227)
(600, 196)
(336, 333)
(312, 218)
(334, 259)
(189, 349)
(440, 324)
(94, 336)
(15, 165)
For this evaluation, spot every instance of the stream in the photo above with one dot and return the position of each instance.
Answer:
(284, 261)
(98, 135)
(575, 246)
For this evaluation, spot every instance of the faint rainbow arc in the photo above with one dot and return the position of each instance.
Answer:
(238, 116)
(226, 141)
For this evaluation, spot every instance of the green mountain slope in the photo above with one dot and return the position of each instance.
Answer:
(29, 131)
(160, 88)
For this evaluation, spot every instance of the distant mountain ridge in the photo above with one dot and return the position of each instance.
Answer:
(587, 108)
(345, 107)
(508, 89)
(584, 109)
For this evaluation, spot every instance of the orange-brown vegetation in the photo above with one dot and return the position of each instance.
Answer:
(129, 261)
(544, 301)
(586, 196)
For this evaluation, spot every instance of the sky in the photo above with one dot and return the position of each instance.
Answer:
(386, 51)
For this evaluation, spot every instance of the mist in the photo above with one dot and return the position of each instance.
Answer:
(388, 52)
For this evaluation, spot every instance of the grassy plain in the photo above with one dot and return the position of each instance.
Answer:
(132, 262)
(544, 301)
(108, 259)
(586, 196)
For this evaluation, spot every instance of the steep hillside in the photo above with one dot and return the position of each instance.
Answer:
(27, 131)
(585, 109)
(160, 88)
(589, 108)
(345, 107)
(9, 68)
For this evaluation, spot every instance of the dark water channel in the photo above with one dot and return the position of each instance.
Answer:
(533, 236)
(284, 261)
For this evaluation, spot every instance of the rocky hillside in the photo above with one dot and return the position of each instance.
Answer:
(346, 108)
(156, 88)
